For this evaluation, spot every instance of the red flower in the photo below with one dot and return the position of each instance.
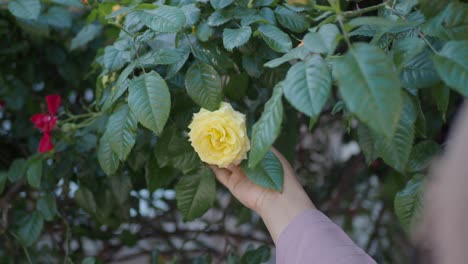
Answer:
(2, 104)
(46, 122)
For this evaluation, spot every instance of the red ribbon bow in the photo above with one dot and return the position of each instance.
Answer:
(46, 122)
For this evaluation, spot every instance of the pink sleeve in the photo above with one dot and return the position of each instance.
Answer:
(313, 238)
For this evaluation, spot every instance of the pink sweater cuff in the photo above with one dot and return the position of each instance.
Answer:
(313, 238)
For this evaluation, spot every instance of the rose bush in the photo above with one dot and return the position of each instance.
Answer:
(389, 75)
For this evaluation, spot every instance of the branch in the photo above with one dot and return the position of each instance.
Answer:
(375, 230)
(5, 202)
(355, 13)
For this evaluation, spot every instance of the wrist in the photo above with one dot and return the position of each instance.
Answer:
(279, 209)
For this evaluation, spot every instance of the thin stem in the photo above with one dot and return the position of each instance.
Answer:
(355, 13)
(27, 254)
(123, 29)
(345, 33)
(24, 248)
(89, 116)
(335, 5)
(417, 30)
(67, 241)
(324, 8)
(134, 44)
(189, 42)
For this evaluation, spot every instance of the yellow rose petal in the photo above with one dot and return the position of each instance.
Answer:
(219, 137)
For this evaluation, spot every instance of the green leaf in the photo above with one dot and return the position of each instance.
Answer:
(366, 143)
(89, 260)
(252, 65)
(183, 157)
(268, 14)
(421, 155)
(196, 194)
(17, 169)
(237, 86)
(173, 149)
(432, 7)
(323, 41)
(407, 48)
(408, 202)
(247, 20)
(3, 180)
(233, 38)
(218, 18)
(441, 95)
(370, 87)
(219, 4)
(157, 177)
(383, 25)
(308, 85)
(120, 185)
(405, 7)
(214, 55)
(267, 129)
(420, 125)
(113, 58)
(37, 28)
(452, 65)
(174, 68)
(59, 17)
(419, 72)
(296, 53)
(192, 14)
(76, 3)
(34, 172)
(395, 151)
(121, 131)
(276, 39)
(168, 56)
(291, 20)
(268, 173)
(150, 101)
(450, 24)
(30, 228)
(108, 160)
(85, 199)
(204, 86)
(256, 256)
(120, 87)
(204, 31)
(47, 206)
(25, 9)
(85, 35)
(167, 19)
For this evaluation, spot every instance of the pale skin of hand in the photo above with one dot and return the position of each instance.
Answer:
(276, 209)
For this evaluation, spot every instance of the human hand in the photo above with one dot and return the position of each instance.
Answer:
(276, 209)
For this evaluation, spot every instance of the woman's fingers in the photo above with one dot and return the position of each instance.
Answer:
(221, 174)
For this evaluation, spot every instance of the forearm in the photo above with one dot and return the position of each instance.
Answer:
(281, 209)
(313, 238)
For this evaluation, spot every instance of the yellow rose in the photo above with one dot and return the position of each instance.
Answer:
(219, 137)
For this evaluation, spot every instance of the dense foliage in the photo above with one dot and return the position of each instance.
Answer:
(389, 75)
